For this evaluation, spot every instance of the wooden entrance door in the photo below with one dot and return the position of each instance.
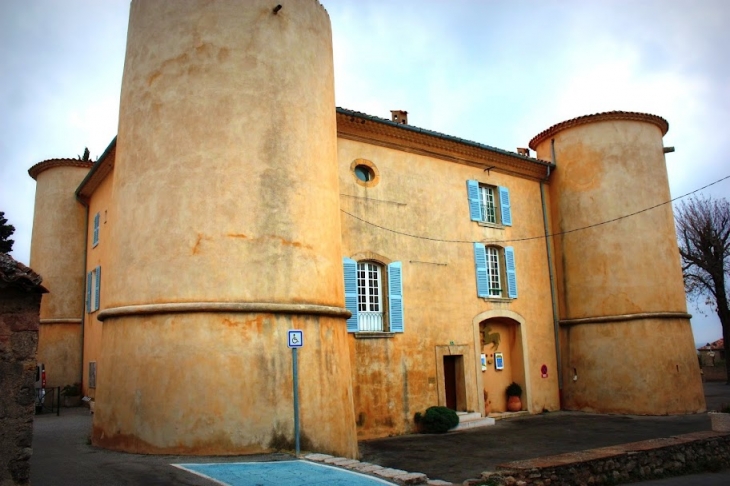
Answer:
(450, 381)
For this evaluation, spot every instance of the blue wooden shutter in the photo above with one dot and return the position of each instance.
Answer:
(395, 296)
(480, 262)
(509, 262)
(88, 292)
(475, 207)
(349, 267)
(506, 208)
(98, 288)
(96, 229)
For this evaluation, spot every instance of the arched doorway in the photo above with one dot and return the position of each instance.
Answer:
(501, 357)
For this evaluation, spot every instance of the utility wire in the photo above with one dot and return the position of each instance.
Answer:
(541, 236)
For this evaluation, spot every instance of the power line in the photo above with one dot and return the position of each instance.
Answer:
(541, 236)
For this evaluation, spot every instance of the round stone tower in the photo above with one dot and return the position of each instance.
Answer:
(225, 235)
(57, 253)
(626, 340)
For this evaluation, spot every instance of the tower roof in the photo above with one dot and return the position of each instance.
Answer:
(597, 117)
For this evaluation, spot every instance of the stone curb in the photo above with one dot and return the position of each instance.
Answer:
(399, 476)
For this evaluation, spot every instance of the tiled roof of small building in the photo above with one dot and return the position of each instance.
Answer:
(717, 345)
(16, 274)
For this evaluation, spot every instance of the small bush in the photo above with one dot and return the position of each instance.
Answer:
(514, 390)
(71, 390)
(438, 420)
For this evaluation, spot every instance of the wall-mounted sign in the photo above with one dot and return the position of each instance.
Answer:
(484, 362)
(498, 361)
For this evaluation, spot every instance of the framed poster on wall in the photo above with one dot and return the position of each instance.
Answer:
(498, 361)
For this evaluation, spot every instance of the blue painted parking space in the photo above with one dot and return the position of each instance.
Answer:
(291, 473)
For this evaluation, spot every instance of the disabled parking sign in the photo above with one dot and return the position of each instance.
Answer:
(296, 338)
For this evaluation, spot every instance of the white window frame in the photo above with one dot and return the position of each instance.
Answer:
(488, 204)
(370, 297)
(494, 271)
(93, 293)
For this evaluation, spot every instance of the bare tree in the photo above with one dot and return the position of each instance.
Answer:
(703, 228)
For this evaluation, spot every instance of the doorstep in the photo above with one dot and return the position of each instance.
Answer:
(508, 415)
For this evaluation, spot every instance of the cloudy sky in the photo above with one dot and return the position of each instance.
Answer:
(497, 72)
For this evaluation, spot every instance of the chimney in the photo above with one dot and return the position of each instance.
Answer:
(399, 116)
(523, 151)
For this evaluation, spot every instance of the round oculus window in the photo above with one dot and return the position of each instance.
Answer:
(364, 173)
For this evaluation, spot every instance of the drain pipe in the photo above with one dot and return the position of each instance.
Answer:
(83, 310)
(553, 293)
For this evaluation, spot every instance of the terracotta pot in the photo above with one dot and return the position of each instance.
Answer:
(514, 404)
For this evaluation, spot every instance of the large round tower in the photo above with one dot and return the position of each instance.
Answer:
(57, 253)
(625, 334)
(225, 234)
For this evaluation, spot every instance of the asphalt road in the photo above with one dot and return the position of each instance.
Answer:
(62, 455)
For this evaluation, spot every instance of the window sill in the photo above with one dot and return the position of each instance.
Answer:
(373, 335)
(490, 225)
(497, 299)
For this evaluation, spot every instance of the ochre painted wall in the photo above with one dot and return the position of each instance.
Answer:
(632, 352)
(633, 379)
(57, 254)
(398, 376)
(98, 255)
(224, 193)
(222, 384)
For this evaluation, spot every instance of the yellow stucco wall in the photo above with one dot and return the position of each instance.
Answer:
(98, 255)
(635, 377)
(398, 376)
(57, 254)
(632, 352)
(221, 384)
(224, 193)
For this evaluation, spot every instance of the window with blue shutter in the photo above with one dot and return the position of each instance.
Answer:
(490, 282)
(483, 204)
(88, 293)
(480, 262)
(97, 291)
(472, 191)
(96, 230)
(349, 267)
(509, 263)
(395, 296)
(505, 206)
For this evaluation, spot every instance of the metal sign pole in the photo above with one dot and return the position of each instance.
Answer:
(295, 340)
(296, 398)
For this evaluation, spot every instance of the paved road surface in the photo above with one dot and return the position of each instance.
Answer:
(62, 455)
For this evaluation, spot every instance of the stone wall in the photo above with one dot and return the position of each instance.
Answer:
(714, 373)
(638, 461)
(20, 300)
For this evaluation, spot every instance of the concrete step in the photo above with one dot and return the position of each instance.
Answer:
(471, 424)
(508, 415)
(468, 416)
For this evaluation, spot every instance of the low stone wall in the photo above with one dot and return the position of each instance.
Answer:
(714, 373)
(650, 459)
(20, 299)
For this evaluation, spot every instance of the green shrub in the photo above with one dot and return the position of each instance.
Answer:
(71, 390)
(438, 420)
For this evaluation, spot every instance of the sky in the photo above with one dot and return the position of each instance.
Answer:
(496, 72)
